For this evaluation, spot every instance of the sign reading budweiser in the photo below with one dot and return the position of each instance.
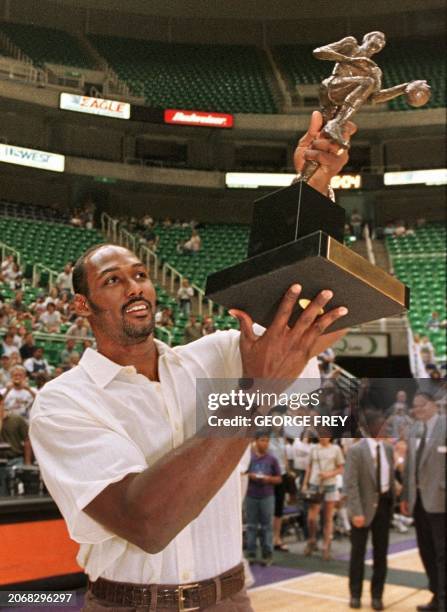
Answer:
(95, 106)
(33, 158)
(191, 117)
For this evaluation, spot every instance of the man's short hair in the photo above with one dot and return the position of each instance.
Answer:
(79, 277)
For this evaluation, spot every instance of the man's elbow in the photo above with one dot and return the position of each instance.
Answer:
(153, 541)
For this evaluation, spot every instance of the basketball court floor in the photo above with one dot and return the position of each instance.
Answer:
(295, 583)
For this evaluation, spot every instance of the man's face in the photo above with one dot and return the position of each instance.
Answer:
(423, 408)
(401, 396)
(38, 353)
(4, 363)
(121, 296)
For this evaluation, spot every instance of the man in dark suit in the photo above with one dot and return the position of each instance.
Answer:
(424, 492)
(369, 486)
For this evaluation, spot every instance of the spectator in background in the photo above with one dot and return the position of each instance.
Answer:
(79, 330)
(18, 304)
(14, 431)
(18, 396)
(38, 307)
(208, 326)
(369, 485)
(5, 374)
(16, 338)
(53, 296)
(8, 345)
(389, 229)
(277, 448)
(194, 244)
(301, 456)
(424, 494)
(356, 223)
(64, 279)
(435, 323)
(28, 347)
(400, 404)
(164, 317)
(67, 352)
(6, 266)
(14, 276)
(326, 361)
(74, 360)
(263, 473)
(193, 330)
(50, 320)
(184, 296)
(428, 347)
(326, 461)
(37, 363)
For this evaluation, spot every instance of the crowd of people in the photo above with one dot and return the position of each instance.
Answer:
(353, 486)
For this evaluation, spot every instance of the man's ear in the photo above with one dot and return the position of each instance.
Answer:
(82, 306)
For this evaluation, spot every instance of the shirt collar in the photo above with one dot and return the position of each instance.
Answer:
(103, 370)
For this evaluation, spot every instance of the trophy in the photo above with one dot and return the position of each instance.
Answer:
(297, 233)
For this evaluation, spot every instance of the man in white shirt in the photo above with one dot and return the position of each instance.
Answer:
(64, 279)
(152, 503)
(50, 320)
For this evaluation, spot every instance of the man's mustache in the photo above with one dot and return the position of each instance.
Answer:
(136, 299)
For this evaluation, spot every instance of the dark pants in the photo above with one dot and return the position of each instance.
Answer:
(430, 534)
(379, 528)
(280, 493)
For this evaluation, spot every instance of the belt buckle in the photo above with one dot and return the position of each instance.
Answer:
(182, 598)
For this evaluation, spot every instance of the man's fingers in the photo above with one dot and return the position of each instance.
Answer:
(326, 160)
(315, 125)
(310, 338)
(245, 322)
(285, 309)
(324, 144)
(313, 310)
(350, 128)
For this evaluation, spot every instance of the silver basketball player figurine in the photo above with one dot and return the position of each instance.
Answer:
(356, 80)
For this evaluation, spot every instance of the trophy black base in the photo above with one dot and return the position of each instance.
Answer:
(316, 262)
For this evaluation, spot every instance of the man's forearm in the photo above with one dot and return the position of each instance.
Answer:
(173, 492)
(150, 508)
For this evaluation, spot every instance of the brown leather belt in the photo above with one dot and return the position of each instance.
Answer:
(182, 597)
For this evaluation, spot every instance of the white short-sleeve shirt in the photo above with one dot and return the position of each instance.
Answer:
(99, 421)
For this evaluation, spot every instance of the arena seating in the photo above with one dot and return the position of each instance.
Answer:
(25, 210)
(419, 261)
(51, 244)
(222, 245)
(47, 45)
(400, 61)
(208, 77)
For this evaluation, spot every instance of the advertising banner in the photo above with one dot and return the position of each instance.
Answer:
(94, 106)
(33, 158)
(200, 118)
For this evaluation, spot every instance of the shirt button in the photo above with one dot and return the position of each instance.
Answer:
(129, 370)
(185, 576)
